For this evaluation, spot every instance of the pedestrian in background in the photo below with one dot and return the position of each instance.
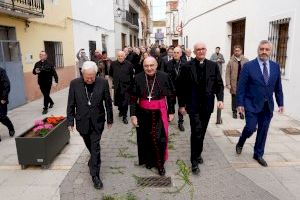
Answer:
(4, 92)
(46, 73)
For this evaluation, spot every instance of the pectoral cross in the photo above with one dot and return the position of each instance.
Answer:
(149, 97)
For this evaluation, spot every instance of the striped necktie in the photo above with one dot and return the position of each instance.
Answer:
(265, 73)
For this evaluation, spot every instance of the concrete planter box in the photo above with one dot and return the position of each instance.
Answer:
(42, 150)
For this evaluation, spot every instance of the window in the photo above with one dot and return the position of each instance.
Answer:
(104, 46)
(278, 35)
(92, 48)
(55, 53)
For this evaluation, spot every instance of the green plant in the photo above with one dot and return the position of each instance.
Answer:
(124, 154)
(184, 175)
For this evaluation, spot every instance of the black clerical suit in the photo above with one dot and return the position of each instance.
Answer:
(173, 68)
(197, 86)
(4, 91)
(86, 105)
(45, 78)
(122, 75)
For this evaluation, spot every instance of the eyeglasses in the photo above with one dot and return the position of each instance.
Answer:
(201, 49)
(151, 65)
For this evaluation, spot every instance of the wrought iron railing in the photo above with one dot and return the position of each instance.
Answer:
(35, 7)
(132, 18)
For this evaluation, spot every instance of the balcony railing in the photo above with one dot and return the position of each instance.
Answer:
(22, 8)
(131, 19)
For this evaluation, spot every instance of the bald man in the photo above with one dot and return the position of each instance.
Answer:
(173, 68)
(151, 107)
(197, 85)
(121, 72)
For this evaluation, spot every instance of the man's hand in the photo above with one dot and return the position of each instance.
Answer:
(220, 105)
(182, 110)
(281, 110)
(241, 109)
(3, 101)
(134, 121)
(71, 129)
(228, 87)
(171, 117)
(109, 126)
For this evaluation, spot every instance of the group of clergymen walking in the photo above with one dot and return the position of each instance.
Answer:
(151, 82)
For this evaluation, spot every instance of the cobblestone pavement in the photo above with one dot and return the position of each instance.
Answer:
(217, 180)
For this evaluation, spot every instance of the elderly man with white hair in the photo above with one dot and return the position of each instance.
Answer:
(198, 84)
(89, 97)
(121, 72)
(151, 107)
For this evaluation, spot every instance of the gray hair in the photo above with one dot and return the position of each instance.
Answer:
(265, 42)
(89, 65)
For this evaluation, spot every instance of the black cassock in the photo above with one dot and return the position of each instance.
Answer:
(122, 74)
(151, 135)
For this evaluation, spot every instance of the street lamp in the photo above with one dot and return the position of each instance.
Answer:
(119, 12)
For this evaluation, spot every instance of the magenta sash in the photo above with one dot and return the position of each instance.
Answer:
(162, 106)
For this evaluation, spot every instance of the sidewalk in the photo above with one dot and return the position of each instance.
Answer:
(224, 175)
(35, 183)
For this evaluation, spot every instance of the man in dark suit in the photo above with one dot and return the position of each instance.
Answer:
(4, 91)
(46, 72)
(173, 69)
(88, 95)
(121, 72)
(198, 84)
(259, 79)
(167, 58)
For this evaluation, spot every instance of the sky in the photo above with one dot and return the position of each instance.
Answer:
(159, 9)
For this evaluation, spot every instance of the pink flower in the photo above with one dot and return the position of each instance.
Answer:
(39, 123)
(38, 128)
(48, 126)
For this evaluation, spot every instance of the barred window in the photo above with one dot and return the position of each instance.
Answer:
(278, 35)
(55, 53)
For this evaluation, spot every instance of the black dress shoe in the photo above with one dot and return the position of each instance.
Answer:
(242, 116)
(181, 127)
(45, 111)
(148, 166)
(162, 172)
(261, 161)
(238, 149)
(125, 121)
(11, 133)
(51, 105)
(200, 160)
(234, 115)
(195, 169)
(97, 182)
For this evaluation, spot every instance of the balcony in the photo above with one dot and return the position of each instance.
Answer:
(22, 8)
(131, 19)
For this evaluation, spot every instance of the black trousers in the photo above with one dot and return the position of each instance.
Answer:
(180, 118)
(45, 89)
(233, 103)
(92, 143)
(199, 123)
(3, 117)
(123, 109)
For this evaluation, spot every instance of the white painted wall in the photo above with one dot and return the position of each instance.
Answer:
(91, 19)
(214, 27)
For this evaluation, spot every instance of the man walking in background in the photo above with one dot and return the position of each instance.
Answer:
(45, 72)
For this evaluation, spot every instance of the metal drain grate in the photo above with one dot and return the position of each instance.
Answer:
(232, 133)
(154, 181)
(291, 131)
